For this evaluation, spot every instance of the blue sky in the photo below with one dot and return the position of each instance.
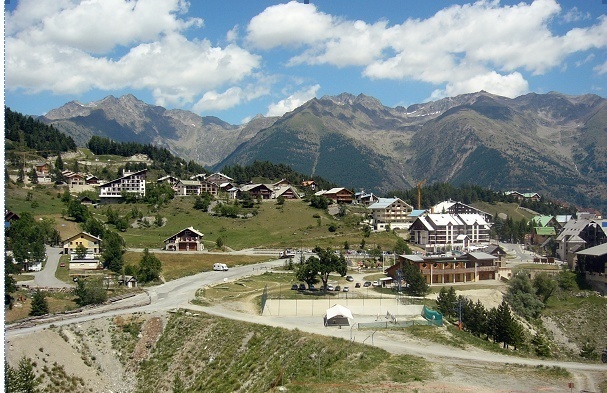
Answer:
(239, 58)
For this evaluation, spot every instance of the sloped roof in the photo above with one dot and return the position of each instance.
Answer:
(337, 189)
(595, 251)
(282, 189)
(383, 203)
(124, 177)
(443, 219)
(575, 227)
(545, 231)
(494, 248)
(190, 228)
(249, 187)
(481, 255)
(417, 212)
(443, 206)
(563, 218)
(339, 311)
(541, 221)
(471, 218)
(79, 234)
(413, 257)
(425, 223)
(189, 182)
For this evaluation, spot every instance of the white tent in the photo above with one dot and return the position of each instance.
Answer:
(338, 315)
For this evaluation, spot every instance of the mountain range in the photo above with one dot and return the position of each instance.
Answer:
(553, 144)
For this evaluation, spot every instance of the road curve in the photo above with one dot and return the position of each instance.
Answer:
(178, 293)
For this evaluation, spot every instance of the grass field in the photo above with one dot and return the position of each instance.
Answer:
(510, 209)
(57, 302)
(292, 225)
(538, 266)
(180, 265)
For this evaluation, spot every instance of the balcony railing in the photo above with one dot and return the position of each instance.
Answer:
(461, 270)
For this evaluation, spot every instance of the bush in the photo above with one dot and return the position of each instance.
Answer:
(90, 292)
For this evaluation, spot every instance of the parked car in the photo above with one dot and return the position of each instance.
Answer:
(330, 287)
(357, 285)
(302, 287)
(337, 288)
(295, 287)
(312, 287)
(367, 284)
(349, 278)
(346, 289)
(375, 283)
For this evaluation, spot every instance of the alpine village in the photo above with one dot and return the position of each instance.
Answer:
(345, 246)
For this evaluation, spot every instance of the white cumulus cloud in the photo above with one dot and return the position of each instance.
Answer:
(70, 47)
(483, 44)
(512, 85)
(293, 101)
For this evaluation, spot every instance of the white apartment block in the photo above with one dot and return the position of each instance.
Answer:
(456, 231)
(390, 213)
(131, 182)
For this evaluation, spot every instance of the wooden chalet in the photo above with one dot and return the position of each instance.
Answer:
(286, 192)
(337, 195)
(188, 239)
(257, 191)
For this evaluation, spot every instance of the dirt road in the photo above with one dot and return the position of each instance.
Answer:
(178, 293)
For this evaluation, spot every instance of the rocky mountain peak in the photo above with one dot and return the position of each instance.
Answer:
(69, 110)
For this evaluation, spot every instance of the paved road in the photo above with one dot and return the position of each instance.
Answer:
(178, 293)
(46, 277)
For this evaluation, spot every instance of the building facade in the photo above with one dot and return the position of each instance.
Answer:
(471, 267)
(390, 213)
(130, 183)
(188, 239)
(441, 231)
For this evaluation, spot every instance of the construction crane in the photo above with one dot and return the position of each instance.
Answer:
(419, 194)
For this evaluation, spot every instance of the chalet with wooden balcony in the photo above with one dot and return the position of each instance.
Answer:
(337, 195)
(219, 178)
(188, 239)
(287, 192)
(257, 191)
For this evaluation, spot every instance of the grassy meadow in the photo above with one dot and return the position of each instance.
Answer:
(292, 225)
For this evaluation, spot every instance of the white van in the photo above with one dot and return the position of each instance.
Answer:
(220, 266)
